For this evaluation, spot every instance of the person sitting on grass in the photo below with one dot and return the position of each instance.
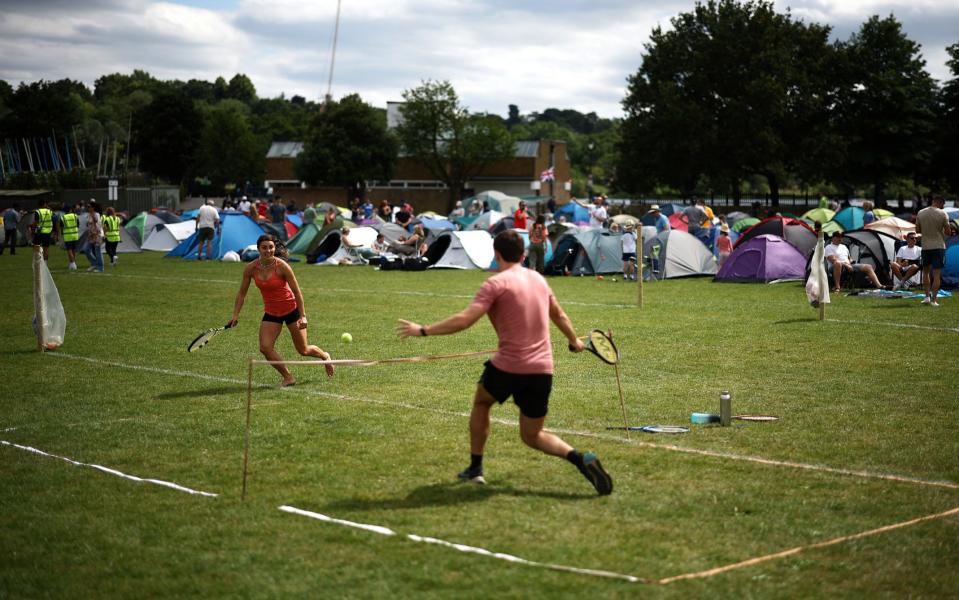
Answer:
(837, 259)
(907, 262)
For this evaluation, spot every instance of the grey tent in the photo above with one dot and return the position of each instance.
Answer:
(391, 231)
(588, 252)
(127, 243)
(461, 250)
(676, 253)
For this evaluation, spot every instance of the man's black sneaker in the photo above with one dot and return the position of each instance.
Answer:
(473, 476)
(596, 474)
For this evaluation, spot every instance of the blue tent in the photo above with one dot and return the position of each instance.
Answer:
(950, 273)
(295, 219)
(525, 235)
(237, 231)
(850, 218)
(666, 209)
(573, 211)
(437, 225)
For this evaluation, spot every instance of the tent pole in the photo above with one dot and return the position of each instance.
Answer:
(38, 294)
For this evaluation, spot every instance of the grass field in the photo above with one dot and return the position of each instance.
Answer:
(866, 440)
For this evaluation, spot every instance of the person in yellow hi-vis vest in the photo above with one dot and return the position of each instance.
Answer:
(70, 233)
(111, 234)
(42, 228)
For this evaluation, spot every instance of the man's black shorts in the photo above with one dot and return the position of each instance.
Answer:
(71, 245)
(529, 392)
(934, 258)
(41, 239)
(288, 318)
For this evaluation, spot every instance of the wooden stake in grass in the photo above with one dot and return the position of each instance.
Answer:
(619, 385)
(38, 295)
(246, 435)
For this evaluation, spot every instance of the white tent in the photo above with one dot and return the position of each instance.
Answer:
(678, 254)
(166, 237)
(360, 238)
(461, 250)
(487, 220)
(894, 226)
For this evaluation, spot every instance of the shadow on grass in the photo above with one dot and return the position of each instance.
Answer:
(448, 494)
(232, 390)
(19, 352)
(794, 321)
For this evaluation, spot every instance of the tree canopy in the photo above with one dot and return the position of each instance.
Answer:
(442, 135)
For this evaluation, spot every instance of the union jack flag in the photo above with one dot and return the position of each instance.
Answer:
(548, 175)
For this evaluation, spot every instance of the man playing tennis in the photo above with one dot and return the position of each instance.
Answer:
(520, 306)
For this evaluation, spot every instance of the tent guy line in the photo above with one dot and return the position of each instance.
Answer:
(610, 438)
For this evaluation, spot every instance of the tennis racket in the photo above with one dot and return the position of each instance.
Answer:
(202, 339)
(601, 344)
(656, 428)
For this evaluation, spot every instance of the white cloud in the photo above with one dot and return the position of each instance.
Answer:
(535, 54)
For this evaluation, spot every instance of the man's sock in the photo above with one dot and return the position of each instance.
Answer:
(575, 457)
(476, 462)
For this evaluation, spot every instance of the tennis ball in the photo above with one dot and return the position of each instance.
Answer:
(347, 338)
(614, 280)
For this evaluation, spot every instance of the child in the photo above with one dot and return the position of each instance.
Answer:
(629, 254)
(724, 244)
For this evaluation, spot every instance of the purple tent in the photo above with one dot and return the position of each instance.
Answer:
(763, 258)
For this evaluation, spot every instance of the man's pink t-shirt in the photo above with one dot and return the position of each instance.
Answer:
(517, 303)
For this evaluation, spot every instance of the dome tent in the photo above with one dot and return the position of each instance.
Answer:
(763, 258)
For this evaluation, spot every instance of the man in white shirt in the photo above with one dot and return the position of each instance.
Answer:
(245, 206)
(597, 213)
(907, 262)
(207, 222)
(629, 253)
(837, 258)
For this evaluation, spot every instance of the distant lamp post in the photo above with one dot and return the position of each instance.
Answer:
(535, 186)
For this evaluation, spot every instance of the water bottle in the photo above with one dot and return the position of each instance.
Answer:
(725, 408)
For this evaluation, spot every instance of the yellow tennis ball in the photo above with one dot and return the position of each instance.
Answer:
(347, 338)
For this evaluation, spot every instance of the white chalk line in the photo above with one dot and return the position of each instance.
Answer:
(902, 325)
(793, 551)
(110, 471)
(512, 423)
(348, 290)
(460, 547)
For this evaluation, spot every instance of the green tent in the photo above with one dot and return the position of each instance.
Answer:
(744, 224)
(823, 215)
(300, 242)
(831, 226)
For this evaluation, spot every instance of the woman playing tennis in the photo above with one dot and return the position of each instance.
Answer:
(282, 303)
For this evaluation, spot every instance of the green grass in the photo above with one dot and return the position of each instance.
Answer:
(381, 445)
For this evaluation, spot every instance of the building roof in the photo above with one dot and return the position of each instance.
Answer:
(285, 149)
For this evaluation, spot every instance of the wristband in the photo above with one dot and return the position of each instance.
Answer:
(422, 331)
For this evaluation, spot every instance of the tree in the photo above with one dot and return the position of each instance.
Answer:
(228, 151)
(166, 138)
(242, 89)
(443, 136)
(887, 108)
(347, 145)
(943, 169)
(734, 89)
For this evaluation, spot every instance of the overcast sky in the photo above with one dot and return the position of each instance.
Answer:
(536, 55)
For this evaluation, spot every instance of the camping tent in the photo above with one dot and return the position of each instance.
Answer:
(300, 243)
(950, 273)
(763, 258)
(794, 231)
(871, 248)
(486, 220)
(391, 231)
(743, 224)
(678, 254)
(168, 217)
(127, 243)
(850, 218)
(893, 226)
(142, 226)
(587, 252)
(167, 236)
(461, 250)
(624, 219)
(737, 216)
(823, 215)
(572, 212)
(331, 251)
(237, 231)
(494, 200)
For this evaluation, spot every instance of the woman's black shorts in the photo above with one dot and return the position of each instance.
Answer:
(288, 318)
